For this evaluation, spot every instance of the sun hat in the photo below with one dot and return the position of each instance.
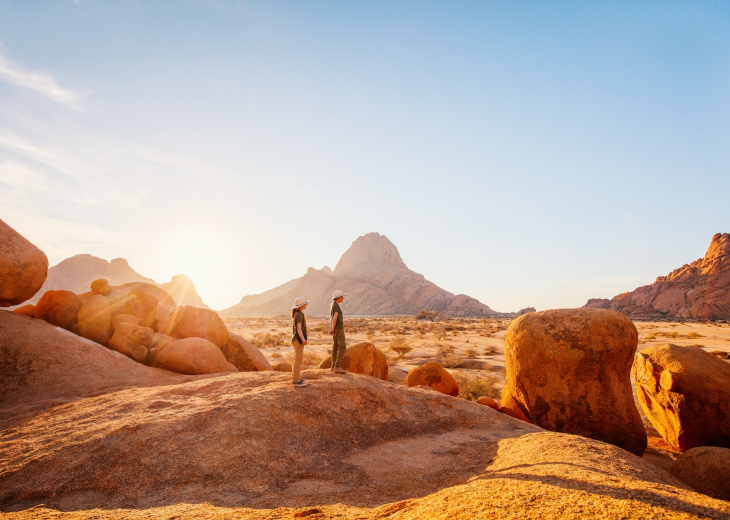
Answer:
(300, 302)
(338, 294)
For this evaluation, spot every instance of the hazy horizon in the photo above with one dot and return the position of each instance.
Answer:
(524, 154)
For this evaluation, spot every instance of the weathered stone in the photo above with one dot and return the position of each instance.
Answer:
(23, 267)
(434, 375)
(202, 323)
(61, 308)
(95, 320)
(488, 401)
(362, 358)
(193, 356)
(166, 324)
(101, 286)
(118, 319)
(508, 405)
(685, 393)
(706, 469)
(283, 367)
(132, 341)
(158, 343)
(570, 371)
(142, 305)
(26, 310)
(243, 355)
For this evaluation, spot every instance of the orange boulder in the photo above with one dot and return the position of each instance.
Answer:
(569, 370)
(158, 343)
(362, 358)
(95, 320)
(132, 341)
(488, 401)
(510, 406)
(434, 375)
(142, 305)
(166, 322)
(26, 310)
(101, 286)
(193, 356)
(23, 267)
(685, 394)
(202, 323)
(118, 319)
(60, 308)
(706, 469)
(244, 356)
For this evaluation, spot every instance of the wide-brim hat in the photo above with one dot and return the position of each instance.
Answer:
(338, 294)
(300, 302)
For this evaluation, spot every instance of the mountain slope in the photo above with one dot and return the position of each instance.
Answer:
(377, 282)
(698, 290)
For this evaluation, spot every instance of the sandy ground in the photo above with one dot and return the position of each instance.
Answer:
(472, 349)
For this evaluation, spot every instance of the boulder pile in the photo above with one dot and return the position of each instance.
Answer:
(569, 371)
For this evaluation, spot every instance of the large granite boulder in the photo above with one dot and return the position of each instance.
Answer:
(142, 305)
(202, 323)
(23, 267)
(706, 469)
(570, 370)
(685, 393)
(243, 355)
(95, 319)
(508, 405)
(60, 308)
(362, 358)
(193, 356)
(432, 374)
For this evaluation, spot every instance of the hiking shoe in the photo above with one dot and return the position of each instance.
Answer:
(339, 370)
(299, 383)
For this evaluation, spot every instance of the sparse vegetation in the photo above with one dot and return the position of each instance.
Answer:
(400, 347)
(472, 387)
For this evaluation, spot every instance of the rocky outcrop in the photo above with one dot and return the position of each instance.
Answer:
(433, 375)
(193, 356)
(23, 267)
(685, 393)
(362, 358)
(76, 274)
(202, 323)
(132, 341)
(377, 282)
(698, 290)
(705, 469)
(244, 356)
(87, 432)
(95, 319)
(60, 308)
(570, 371)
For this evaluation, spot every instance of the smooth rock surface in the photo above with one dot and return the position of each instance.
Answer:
(705, 469)
(433, 375)
(23, 267)
(95, 319)
(60, 308)
(193, 356)
(570, 371)
(202, 323)
(244, 356)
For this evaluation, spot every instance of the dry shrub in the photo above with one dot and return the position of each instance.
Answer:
(491, 350)
(276, 355)
(474, 386)
(471, 353)
(425, 315)
(693, 335)
(309, 359)
(400, 347)
(451, 361)
(720, 354)
(267, 340)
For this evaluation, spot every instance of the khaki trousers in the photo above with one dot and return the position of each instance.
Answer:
(297, 362)
(338, 347)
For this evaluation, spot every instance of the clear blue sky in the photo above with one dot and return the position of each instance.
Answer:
(524, 153)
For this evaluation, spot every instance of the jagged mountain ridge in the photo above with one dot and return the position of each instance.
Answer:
(377, 281)
(77, 272)
(698, 290)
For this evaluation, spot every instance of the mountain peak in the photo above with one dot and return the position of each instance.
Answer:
(368, 253)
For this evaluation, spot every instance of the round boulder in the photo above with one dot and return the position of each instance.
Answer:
(434, 375)
(132, 341)
(60, 308)
(685, 394)
(244, 356)
(569, 371)
(706, 469)
(488, 401)
(142, 305)
(362, 358)
(23, 267)
(26, 310)
(101, 286)
(95, 320)
(202, 323)
(193, 356)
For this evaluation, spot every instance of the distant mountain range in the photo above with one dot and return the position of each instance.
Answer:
(377, 282)
(76, 274)
(698, 290)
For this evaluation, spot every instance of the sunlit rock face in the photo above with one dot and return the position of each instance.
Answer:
(685, 393)
(23, 267)
(698, 290)
(569, 371)
(376, 280)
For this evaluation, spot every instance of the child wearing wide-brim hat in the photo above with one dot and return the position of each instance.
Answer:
(299, 338)
(337, 330)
